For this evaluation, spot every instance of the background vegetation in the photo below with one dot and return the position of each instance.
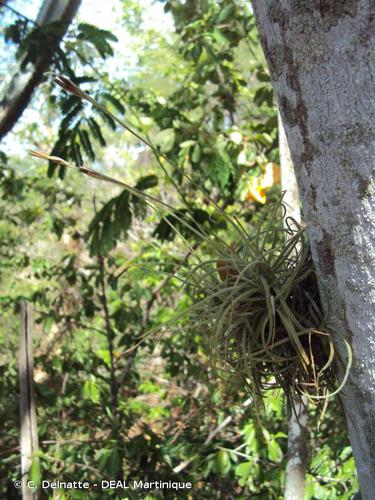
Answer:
(198, 89)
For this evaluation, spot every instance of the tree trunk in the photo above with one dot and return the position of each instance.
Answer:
(17, 90)
(297, 451)
(288, 177)
(28, 432)
(322, 63)
(298, 419)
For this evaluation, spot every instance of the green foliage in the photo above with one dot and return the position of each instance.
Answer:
(16, 32)
(98, 37)
(37, 42)
(112, 222)
(109, 224)
(91, 390)
(77, 130)
(175, 222)
(35, 471)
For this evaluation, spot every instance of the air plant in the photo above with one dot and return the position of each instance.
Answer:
(256, 299)
(259, 304)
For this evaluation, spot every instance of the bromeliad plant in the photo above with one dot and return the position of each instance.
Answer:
(257, 298)
(260, 304)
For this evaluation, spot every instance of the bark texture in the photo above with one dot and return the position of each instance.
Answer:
(297, 452)
(17, 90)
(288, 177)
(322, 63)
(28, 426)
(298, 420)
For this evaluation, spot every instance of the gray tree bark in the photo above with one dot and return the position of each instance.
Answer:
(297, 452)
(322, 63)
(17, 90)
(288, 176)
(298, 420)
(28, 426)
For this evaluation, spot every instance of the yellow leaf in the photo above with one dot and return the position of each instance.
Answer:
(256, 193)
(258, 188)
(271, 175)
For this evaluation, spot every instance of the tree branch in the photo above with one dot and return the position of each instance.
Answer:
(17, 91)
